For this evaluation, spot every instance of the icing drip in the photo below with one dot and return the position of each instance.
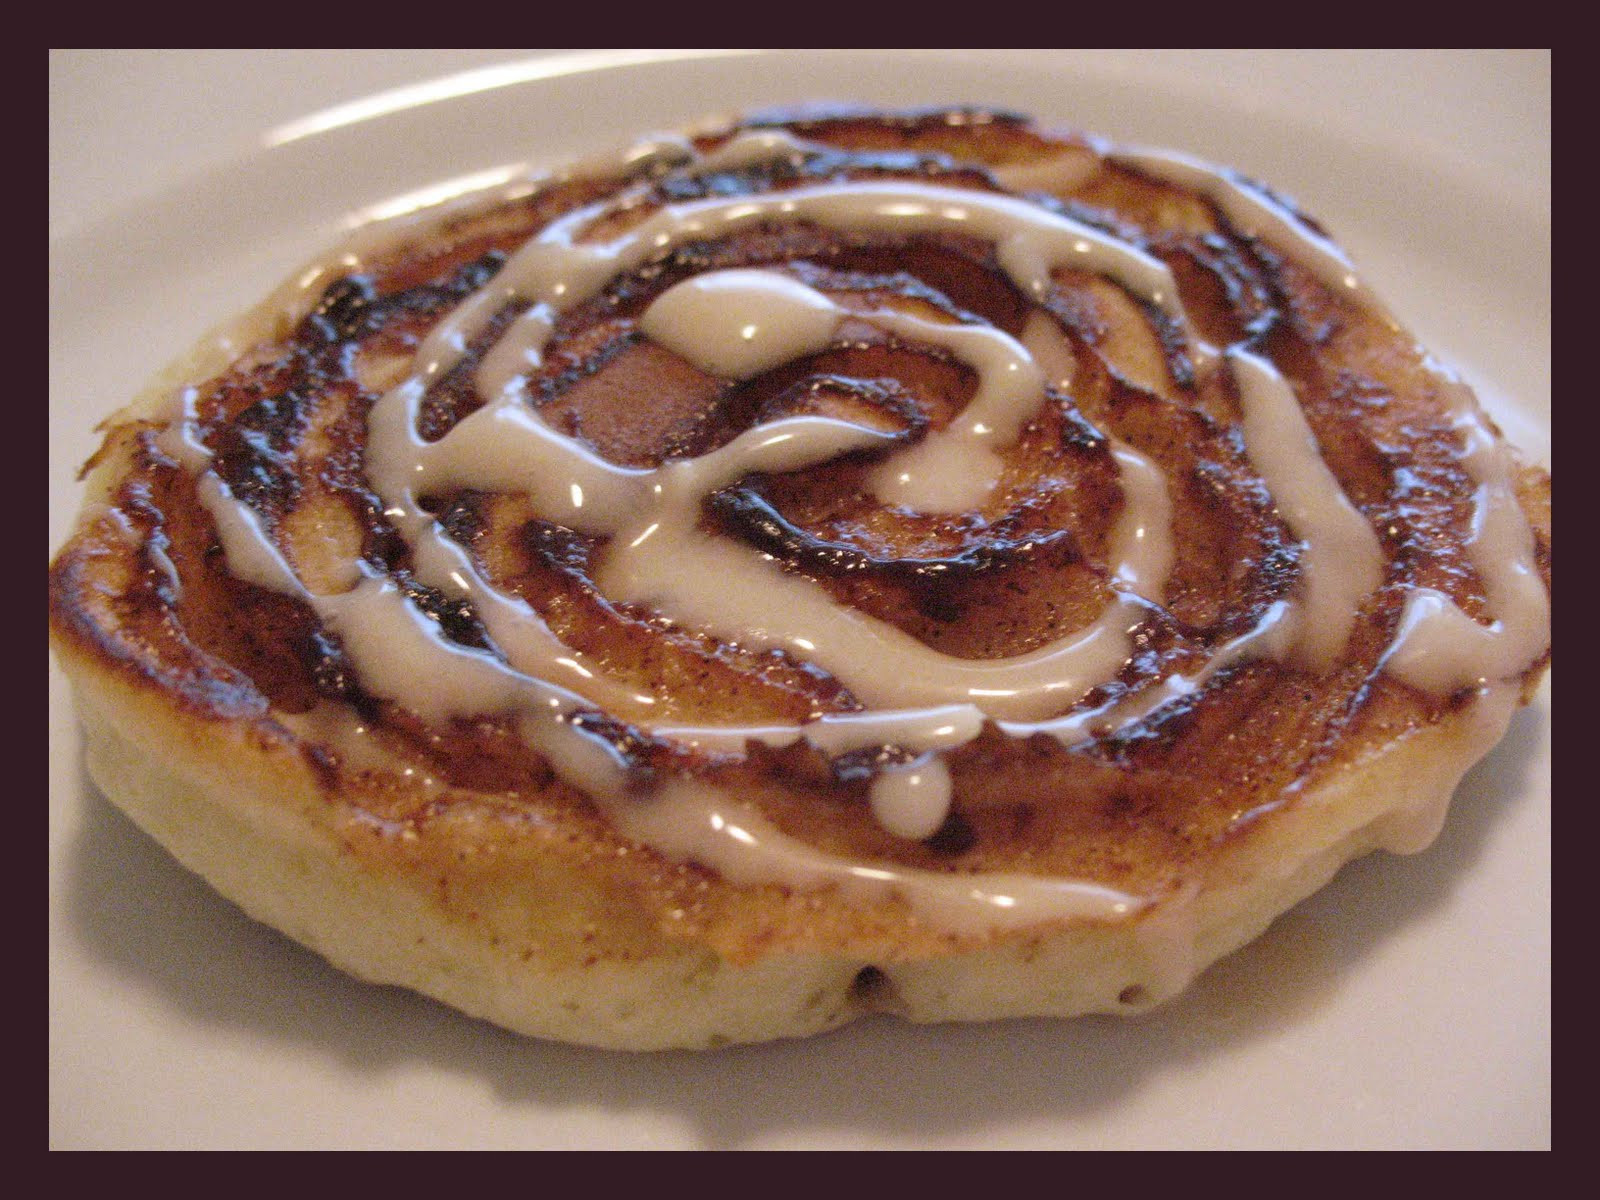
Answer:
(738, 324)
(912, 801)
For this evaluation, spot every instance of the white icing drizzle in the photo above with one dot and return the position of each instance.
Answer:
(956, 468)
(1440, 649)
(1272, 637)
(1048, 347)
(741, 323)
(690, 822)
(558, 270)
(1057, 173)
(1142, 528)
(1255, 214)
(1341, 563)
(1142, 534)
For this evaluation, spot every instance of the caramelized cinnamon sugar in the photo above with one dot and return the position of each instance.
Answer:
(1221, 700)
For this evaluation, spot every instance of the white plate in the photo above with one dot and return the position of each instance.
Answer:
(1406, 1005)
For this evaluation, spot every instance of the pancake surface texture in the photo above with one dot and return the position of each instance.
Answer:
(827, 563)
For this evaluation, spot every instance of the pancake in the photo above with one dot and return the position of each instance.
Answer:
(826, 563)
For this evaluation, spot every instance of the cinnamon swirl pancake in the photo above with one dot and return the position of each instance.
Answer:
(825, 563)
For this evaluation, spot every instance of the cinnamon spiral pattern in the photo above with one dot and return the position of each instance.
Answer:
(903, 533)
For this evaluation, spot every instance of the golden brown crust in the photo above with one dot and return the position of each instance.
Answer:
(215, 706)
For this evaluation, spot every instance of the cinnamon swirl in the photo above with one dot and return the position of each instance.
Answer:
(831, 562)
